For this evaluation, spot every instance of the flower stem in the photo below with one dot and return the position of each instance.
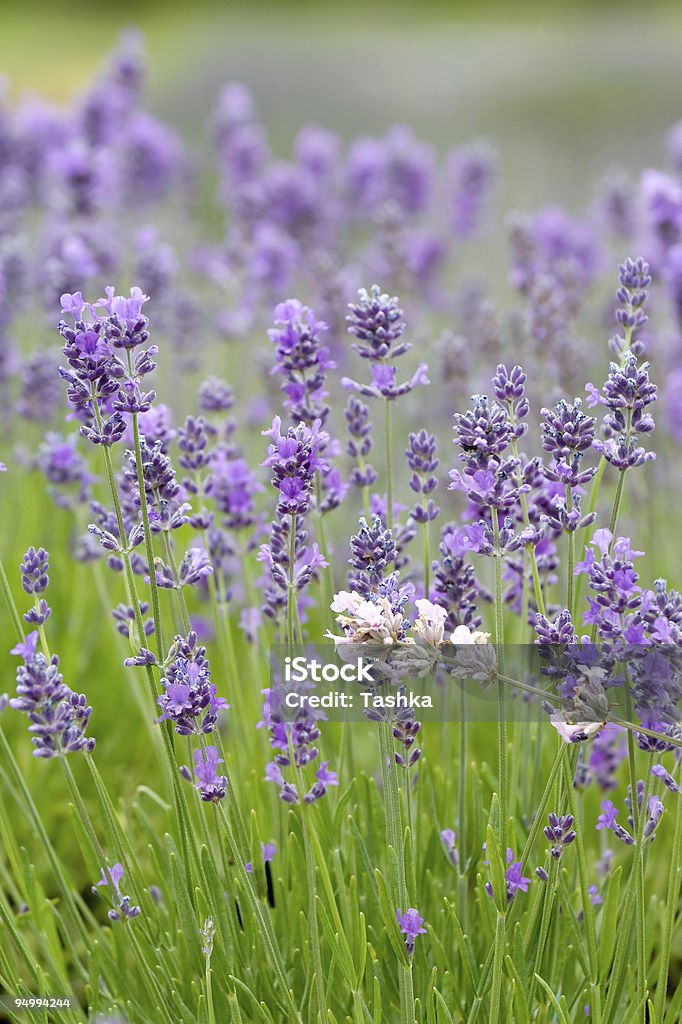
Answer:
(312, 918)
(11, 606)
(674, 879)
(462, 821)
(291, 593)
(389, 465)
(570, 586)
(501, 692)
(182, 603)
(549, 897)
(149, 546)
(427, 560)
(498, 962)
(537, 586)
(588, 911)
(209, 992)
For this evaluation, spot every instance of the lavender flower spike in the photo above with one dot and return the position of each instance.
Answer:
(59, 717)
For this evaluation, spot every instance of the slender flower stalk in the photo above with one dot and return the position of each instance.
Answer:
(674, 880)
(149, 544)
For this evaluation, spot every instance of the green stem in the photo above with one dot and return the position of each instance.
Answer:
(674, 879)
(594, 494)
(537, 586)
(427, 560)
(462, 822)
(498, 962)
(588, 910)
(11, 606)
(149, 545)
(209, 992)
(638, 871)
(389, 465)
(570, 587)
(501, 692)
(549, 897)
(312, 918)
(182, 603)
(525, 600)
(291, 593)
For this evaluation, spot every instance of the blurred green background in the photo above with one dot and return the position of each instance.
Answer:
(567, 89)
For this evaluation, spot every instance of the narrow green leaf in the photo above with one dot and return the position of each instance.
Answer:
(519, 1000)
(497, 869)
(388, 912)
(556, 1005)
(609, 922)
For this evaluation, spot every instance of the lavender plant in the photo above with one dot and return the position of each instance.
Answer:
(482, 822)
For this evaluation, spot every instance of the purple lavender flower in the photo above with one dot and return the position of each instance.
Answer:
(385, 384)
(627, 391)
(560, 833)
(632, 296)
(299, 736)
(215, 395)
(595, 897)
(516, 882)
(660, 772)
(294, 458)
(608, 820)
(211, 786)
(372, 552)
(189, 699)
(233, 487)
(411, 925)
(484, 434)
(654, 812)
(122, 907)
(323, 779)
(455, 587)
(376, 321)
(34, 579)
(422, 460)
(102, 385)
(616, 204)
(59, 717)
(405, 728)
(360, 443)
(448, 838)
(34, 571)
(616, 608)
(64, 468)
(275, 555)
(471, 171)
(567, 433)
(40, 392)
(302, 361)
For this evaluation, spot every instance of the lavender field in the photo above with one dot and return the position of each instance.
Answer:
(340, 424)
